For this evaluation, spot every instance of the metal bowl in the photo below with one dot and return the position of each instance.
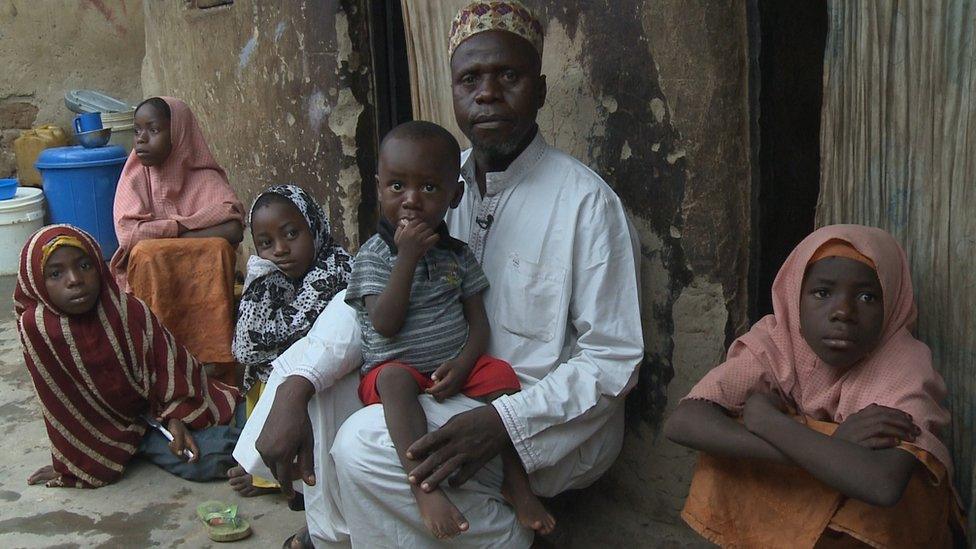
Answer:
(94, 138)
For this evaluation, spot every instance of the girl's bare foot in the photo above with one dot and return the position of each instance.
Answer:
(440, 515)
(529, 510)
(242, 483)
(43, 475)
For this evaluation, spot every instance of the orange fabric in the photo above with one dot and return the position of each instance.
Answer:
(773, 356)
(840, 248)
(753, 503)
(189, 189)
(489, 375)
(189, 284)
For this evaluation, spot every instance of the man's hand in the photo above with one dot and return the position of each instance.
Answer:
(287, 434)
(413, 238)
(182, 440)
(463, 445)
(449, 379)
(877, 427)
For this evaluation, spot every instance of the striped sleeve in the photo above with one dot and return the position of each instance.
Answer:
(370, 273)
(181, 388)
(473, 280)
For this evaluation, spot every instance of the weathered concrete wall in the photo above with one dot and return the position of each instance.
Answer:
(282, 92)
(48, 47)
(663, 115)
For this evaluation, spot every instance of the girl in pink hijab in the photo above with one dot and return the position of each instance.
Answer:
(178, 223)
(823, 425)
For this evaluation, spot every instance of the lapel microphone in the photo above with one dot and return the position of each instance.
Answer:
(485, 223)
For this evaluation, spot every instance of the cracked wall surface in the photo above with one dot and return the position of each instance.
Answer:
(50, 47)
(282, 92)
(653, 95)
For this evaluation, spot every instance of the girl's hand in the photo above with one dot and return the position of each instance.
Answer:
(760, 406)
(449, 379)
(182, 440)
(43, 475)
(878, 427)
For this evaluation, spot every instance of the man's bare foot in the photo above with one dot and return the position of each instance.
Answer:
(529, 510)
(440, 515)
(43, 475)
(243, 483)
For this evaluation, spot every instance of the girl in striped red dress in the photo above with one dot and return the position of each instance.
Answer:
(100, 361)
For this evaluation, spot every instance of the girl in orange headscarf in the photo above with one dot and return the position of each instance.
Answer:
(178, 223)
(822, 427)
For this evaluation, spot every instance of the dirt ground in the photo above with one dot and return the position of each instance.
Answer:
(148, 507)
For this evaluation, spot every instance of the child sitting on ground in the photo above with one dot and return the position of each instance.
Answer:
(100, 361)
(417, 294)
(298, 270)
(178, 222)
(860, 460)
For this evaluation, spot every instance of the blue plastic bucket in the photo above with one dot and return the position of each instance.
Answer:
(8, 188)
(79, 185)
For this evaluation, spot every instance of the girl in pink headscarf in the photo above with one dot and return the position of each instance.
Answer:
(822, 427)
(178, 223)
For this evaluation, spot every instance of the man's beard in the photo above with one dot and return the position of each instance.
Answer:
(500, 150)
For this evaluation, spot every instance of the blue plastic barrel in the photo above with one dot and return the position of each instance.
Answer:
(79, 185)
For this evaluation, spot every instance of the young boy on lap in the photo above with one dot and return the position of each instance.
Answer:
(418, 296)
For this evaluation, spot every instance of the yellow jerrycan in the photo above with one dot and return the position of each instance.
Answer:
(30, 145)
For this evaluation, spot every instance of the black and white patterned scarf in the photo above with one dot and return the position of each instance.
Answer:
(275, 310)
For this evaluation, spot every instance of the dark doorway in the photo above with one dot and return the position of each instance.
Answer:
(392, 84)
(792, 37)
(391, 89)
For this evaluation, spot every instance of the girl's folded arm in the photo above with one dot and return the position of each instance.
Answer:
(232, 231)
(877, 477)
(705, 426)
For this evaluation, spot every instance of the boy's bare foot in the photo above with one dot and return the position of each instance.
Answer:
(440, 515)
(529, 510)
(43, 475)
(242, 483)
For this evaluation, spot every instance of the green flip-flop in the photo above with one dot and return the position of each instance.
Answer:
(222, 521)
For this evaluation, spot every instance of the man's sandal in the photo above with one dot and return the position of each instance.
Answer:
(222, 521)
(303, 538)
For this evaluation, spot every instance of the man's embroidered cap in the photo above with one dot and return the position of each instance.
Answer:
(509, 16)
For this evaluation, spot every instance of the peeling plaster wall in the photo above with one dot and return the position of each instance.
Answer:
(48, 47)
(662, 115)
(282, 92)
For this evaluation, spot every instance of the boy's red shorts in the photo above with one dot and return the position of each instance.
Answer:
(489, 375)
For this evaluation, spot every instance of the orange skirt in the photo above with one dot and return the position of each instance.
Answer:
(755, 503)
(189, 284)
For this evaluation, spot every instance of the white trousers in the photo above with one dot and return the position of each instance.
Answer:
(361, 490)
(327, 410)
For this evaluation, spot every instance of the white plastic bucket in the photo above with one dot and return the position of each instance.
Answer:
(121, 123)
(20, 217)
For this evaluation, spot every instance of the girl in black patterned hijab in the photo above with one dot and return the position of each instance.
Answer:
(298, 270)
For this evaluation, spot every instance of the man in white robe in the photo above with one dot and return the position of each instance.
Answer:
(554, 242)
